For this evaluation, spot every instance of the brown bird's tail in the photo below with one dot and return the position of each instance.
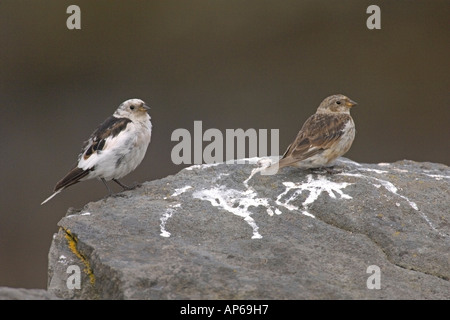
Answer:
(272, 169)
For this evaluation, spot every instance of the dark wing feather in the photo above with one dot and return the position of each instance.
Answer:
(318, 133)
(71, 178)
(111, 127)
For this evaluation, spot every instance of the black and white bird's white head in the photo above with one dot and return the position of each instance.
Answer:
(337, 103)
(134, 109)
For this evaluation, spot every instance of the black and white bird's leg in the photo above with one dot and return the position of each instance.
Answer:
(107, 187)
(125, 187)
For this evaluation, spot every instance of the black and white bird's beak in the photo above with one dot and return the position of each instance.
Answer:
(144, 107)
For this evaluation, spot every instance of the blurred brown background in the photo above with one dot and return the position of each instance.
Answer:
(231, 64)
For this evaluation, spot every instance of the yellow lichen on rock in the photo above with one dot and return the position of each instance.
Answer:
(72, 242)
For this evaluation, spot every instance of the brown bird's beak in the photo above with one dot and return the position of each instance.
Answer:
(144, 107)
(350, 103)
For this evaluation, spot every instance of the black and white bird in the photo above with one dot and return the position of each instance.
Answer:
(114, 149)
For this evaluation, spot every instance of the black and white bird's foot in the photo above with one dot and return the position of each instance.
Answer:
(119, 195)
(125, 187)
(136, 185)
(110, 192)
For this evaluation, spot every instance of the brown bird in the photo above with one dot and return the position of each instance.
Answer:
(325, 136)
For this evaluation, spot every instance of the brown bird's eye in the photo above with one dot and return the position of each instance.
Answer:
(132, 107)
(338, 102)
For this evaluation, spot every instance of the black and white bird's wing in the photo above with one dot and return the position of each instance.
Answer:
(318, 133)
(97, 142)
(109, 139)
(102, 139)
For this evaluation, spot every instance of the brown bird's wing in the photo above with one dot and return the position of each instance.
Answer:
(318, 133)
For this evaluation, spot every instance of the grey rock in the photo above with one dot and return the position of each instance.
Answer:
(7, 293)
(225, 231)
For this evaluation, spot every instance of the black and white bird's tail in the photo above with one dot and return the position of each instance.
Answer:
(54, 194)
(75, 175)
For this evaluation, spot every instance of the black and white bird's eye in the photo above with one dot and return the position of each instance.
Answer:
(338, 102)
(132, 107)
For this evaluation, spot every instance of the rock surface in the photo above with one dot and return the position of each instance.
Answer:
(25, 294)
(225, 231)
